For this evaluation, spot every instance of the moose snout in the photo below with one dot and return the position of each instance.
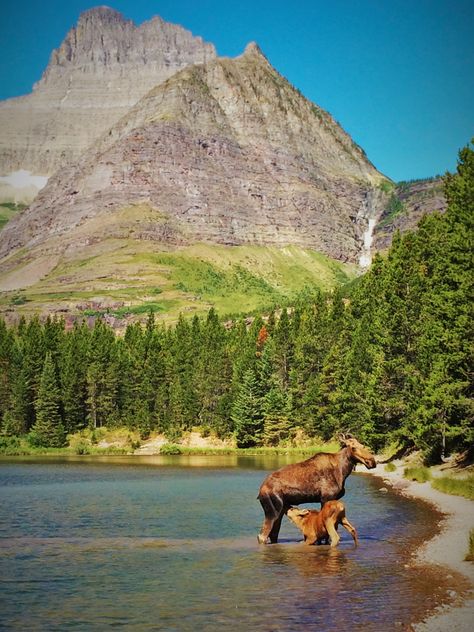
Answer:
(371, 463)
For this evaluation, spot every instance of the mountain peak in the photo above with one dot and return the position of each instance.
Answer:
(101, 13)
(103, 66)
(253, 49)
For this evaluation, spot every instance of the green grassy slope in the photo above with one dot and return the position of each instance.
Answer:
(125, 277)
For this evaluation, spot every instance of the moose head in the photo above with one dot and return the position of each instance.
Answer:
(358, 453)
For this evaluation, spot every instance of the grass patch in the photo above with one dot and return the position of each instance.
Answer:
(394, 208)
(419, 474)
(235, 280)
(258, 451)
(126, 310)
(390, 467)
(9, 210)
(470, 554)
(455, 486)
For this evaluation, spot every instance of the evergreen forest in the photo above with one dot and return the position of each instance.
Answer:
(388, 357)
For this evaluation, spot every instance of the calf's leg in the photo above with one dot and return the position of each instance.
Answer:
(333, 535)
(347, 525)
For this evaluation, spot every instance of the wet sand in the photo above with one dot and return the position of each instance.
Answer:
(448, 548)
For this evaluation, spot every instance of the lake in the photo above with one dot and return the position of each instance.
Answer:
(169, 543)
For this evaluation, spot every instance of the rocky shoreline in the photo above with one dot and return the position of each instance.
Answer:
(448, 548)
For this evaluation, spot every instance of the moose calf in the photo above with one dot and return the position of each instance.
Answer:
(321, 525)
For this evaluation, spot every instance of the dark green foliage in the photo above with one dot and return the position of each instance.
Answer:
(48, 430)
(394, 207)
(388, 358)
(247, 412)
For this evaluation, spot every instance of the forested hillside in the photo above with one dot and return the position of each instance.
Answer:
(389, 358)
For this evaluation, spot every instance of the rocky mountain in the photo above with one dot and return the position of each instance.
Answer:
(225, 152)
(201, 180)
(102, 68)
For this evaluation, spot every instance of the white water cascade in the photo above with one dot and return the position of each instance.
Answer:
(365, 258)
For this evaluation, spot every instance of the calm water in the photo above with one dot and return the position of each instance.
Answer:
(153, 543)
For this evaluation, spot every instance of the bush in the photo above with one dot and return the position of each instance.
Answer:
(82, 447)
(10, 446)
(390, 467)
(419, 474)
(170, 449)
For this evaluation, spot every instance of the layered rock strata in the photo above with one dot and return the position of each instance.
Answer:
(226, 152)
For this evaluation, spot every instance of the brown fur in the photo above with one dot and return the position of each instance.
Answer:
(318, 526)
(318, 479)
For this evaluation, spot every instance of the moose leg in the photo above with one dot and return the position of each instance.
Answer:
(273, 508)
(347, 525)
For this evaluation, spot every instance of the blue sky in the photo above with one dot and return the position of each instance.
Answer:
(398, 75)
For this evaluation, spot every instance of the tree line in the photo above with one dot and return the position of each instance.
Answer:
(388, 357)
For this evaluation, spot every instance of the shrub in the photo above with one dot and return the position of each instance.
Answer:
(82, 447)
(390, 467)
(170, 449)
(10, 446)
(419, 474)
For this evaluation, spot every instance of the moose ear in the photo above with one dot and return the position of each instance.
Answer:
(341, 437)
(344, 437)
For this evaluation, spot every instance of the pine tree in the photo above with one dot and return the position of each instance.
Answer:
(247, 412)
(276, 423)
(48, 429)
(102, 377)
(73, 378)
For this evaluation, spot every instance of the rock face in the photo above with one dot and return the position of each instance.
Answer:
(225, 152)
(405, 207)
(102, 68)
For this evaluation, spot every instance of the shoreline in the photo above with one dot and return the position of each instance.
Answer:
(447, 548)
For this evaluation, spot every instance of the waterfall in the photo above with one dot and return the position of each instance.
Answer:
(365, 258)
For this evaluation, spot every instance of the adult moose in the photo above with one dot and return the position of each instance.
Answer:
(318, 479)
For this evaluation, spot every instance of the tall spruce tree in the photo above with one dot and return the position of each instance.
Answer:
(247, 414)
(48, 429)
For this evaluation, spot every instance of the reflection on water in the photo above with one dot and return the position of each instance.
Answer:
(264, 461)
(169, 543)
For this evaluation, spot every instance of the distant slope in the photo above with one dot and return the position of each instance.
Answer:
(126, 278)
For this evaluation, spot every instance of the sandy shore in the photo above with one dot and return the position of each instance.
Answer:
(448, 548)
